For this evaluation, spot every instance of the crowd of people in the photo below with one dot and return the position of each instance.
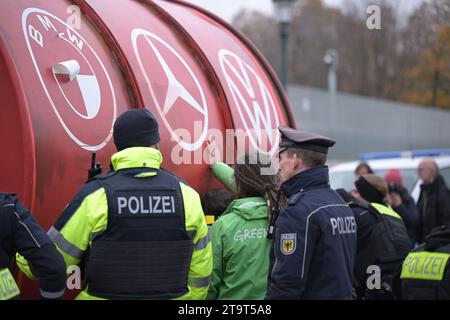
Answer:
(140, 232)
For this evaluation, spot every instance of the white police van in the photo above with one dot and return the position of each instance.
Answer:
(343, 175)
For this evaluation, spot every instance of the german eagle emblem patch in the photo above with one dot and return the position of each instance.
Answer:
(288, 243)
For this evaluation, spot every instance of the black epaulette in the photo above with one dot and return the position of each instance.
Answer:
(3, 196)
(294, 198)
(175, 176)
(102, 176)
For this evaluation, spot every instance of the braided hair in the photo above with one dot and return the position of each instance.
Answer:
(250, 181)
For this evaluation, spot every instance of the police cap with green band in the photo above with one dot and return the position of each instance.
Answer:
(291, 138)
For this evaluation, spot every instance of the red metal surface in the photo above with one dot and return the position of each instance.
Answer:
(191, 69)
(112, 43)
(257, 54)
(245, 77)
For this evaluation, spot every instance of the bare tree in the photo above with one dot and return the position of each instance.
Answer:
(262, 31)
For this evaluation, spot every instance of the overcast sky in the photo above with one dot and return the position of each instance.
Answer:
(226, 9)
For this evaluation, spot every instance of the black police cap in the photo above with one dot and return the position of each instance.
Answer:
(291, 138)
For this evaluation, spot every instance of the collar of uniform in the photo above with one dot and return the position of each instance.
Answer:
(137, 157)
(308, 179)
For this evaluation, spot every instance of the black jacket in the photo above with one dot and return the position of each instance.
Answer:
(416, 282)
(314, 243)
(382, 241)
(19, 232)
(366, 223)
(408, 211)
(433, 206)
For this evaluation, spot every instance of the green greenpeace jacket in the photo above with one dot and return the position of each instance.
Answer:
(87, 215)
(240, 251)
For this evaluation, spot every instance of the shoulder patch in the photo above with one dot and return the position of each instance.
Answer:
(288, 243)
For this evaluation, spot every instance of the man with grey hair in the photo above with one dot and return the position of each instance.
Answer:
(434, 199)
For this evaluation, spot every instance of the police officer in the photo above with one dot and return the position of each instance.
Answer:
(425, 273)
(382, 239)
(388, 242)
(366, 222)
(20, 233)
(140, 229)
(315, 234)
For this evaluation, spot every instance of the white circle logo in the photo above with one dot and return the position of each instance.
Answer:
(71, 74)
(171, 92)
(253, 101)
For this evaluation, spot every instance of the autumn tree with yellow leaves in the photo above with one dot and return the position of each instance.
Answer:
(429, 81)
(407, 60)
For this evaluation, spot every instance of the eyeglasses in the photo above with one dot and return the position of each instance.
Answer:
(281, 151)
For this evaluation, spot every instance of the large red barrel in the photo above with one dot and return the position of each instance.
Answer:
(65, 78)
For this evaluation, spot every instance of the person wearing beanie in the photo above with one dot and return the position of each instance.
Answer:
(384, 241)
(136, 128)
(403, 203)
(144, 228)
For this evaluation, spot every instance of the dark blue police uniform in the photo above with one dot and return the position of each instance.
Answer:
(315, 234)
(19, 232)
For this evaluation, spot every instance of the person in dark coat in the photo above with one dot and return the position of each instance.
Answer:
(366, 222)
(425, 273)
(403, 203)
(382, 241)
(315, 233)
(20, 233)
(434, 199)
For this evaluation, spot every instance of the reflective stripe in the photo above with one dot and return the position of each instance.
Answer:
(28, 230)
(249, 204)
(307, 226)
(95, 235)
(425, 266)
(198, 282)
(145, 175)
(52, 295)
(64, 245)
(202, 243)
(9, 205)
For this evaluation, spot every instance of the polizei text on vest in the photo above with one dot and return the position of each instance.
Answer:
(143, 205)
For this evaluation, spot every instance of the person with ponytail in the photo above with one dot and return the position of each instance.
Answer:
(239, 237)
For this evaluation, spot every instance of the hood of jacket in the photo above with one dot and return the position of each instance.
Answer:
(251, 208)
(137, 157)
